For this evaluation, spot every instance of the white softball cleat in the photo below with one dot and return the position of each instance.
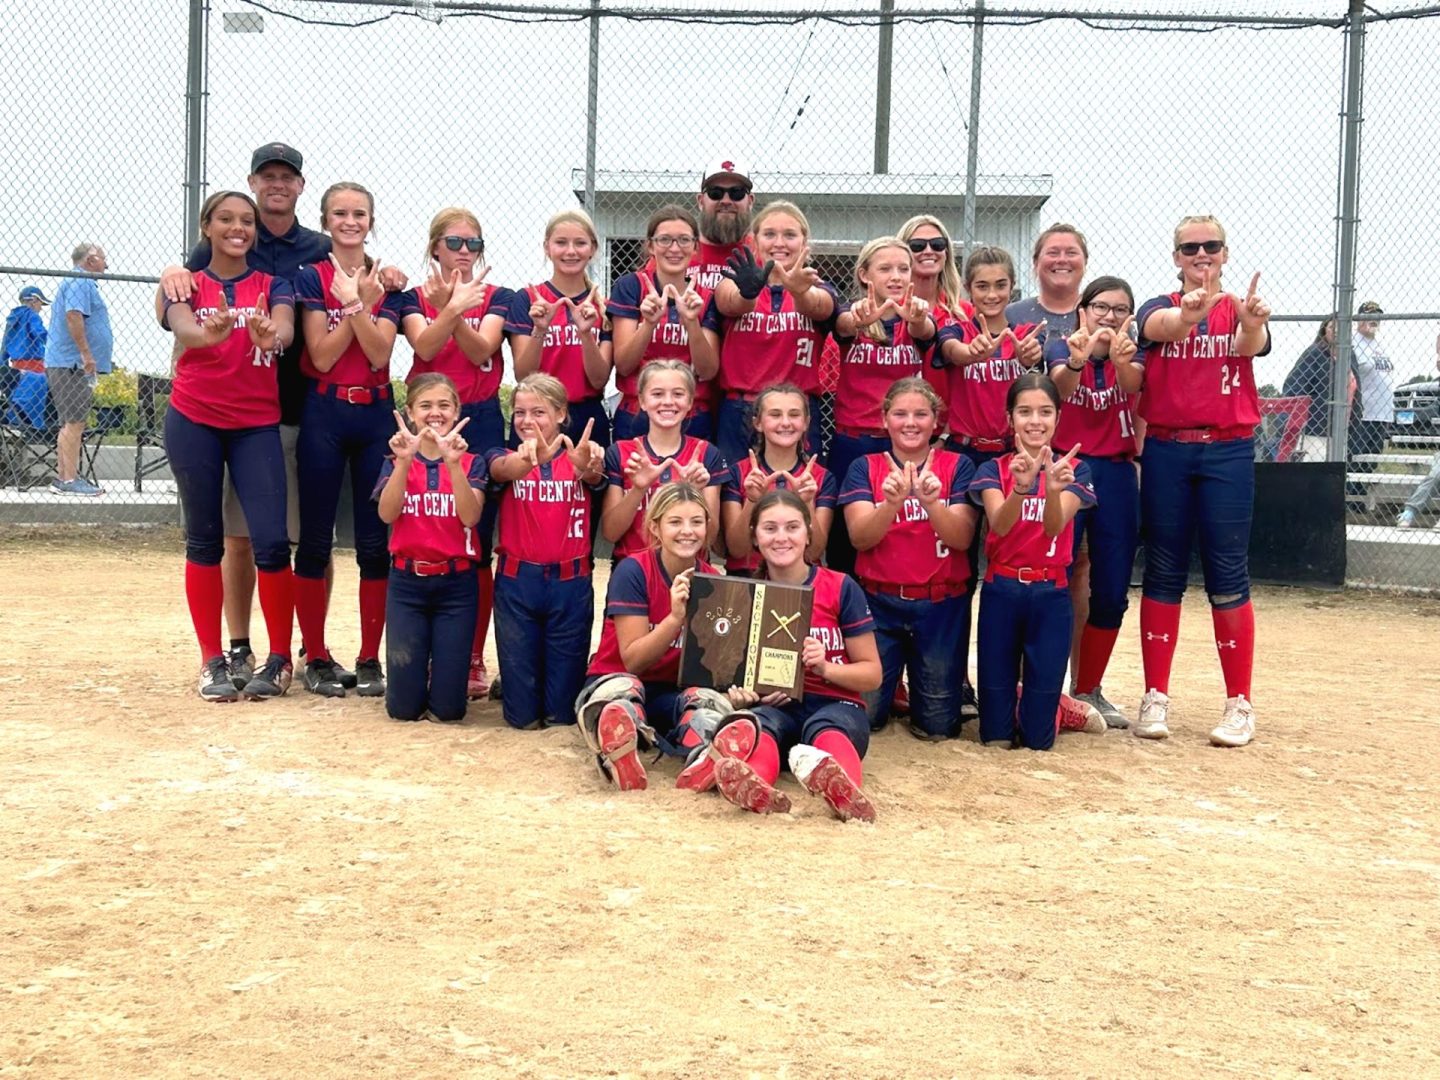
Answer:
(1237, 726)
(1154, 714)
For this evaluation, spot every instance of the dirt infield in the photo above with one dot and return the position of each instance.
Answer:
(307, 888)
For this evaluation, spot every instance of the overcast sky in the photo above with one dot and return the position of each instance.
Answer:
(1135, 129)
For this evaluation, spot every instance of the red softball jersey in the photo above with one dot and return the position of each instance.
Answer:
(428, 528)
(977, 391)
(691, 449)
(1026, 544)
(826, 494)
(772, 344)
(910, 553)
(545, 515)
(233, 384)
(1098, 414)
(1198, 381)
(312, 293)
(475, 382)
(839, 610)
(669, 340)
(867, 370)
(640, 586)
(561, 354)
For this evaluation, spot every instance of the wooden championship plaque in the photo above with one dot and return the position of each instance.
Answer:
(745, 632)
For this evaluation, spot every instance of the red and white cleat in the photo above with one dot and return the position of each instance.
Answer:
(822, 775)
(742, 785)
(1075, 715)
(478, 686)
(737, 739)
(619, 746)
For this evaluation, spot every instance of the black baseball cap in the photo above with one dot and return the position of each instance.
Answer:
(1370, 307)
(276, 151)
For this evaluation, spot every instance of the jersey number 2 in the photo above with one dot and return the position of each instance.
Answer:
(805, 353)
(1229, 378)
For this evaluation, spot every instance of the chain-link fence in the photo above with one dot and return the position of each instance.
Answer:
(998, 121)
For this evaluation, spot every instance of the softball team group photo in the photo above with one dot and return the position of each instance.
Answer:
(1017, 450)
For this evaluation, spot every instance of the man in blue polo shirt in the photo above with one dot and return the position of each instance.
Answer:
(77, 350)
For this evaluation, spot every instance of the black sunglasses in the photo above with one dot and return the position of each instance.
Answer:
(737, 192)
(1212, 247)
(469, 243)
(935, 243)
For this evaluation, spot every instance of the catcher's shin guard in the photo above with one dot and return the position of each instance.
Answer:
(736, 736)
(611, 714)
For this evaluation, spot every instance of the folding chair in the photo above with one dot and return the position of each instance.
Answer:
(29, 457)
(149, 429)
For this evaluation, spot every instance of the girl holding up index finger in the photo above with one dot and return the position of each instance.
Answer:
(1197, 354)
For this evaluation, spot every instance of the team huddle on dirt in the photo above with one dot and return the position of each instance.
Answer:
(961, 420)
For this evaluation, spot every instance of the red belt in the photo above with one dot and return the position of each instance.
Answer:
(509, 566)
(741, 395)
(354, 395)
(938, 590)
(989, 446)
(1200, 434)
(432, 569)
(1029, 575)
(860, 432)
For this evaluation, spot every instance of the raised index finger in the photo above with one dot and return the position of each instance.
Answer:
(1070, 457)
(589, 426)
(1254, 281)
(456, 429)
(400, 422)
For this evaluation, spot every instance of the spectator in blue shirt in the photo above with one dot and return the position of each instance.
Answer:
(79, 348)
(24, 343)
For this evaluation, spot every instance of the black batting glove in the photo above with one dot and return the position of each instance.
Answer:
(749, 277)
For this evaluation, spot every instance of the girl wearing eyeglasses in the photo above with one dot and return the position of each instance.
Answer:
(655, 315)
(768, 320)
(455, 323)
(1094, 371)
(1197, 353)
(556, 327)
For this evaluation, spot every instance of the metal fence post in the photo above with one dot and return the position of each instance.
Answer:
(1348, 220)
(882, 87)
(195, 100)
(972, 149)
(592, 107)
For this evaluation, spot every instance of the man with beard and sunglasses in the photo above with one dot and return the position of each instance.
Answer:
(725, 201)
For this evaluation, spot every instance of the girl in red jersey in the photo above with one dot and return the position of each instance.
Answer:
(825, 735)
(936, 278)
(909, 514)
(768, 320)
(777, 459)
(884, 335)
(430, 493)
(224, 413)
(655, 315)
(634, 468)
(1094, 371)
(455, 323)
(544, 602)
(985, 356)
(632, 690)
(1197, 351)
(556, 328)
(349, 323)
(1030, 499)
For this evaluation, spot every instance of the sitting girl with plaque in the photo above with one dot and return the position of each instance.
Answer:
(910, 519)
(631, 701)
(777, 459)
(635, 468)
(825, 735)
